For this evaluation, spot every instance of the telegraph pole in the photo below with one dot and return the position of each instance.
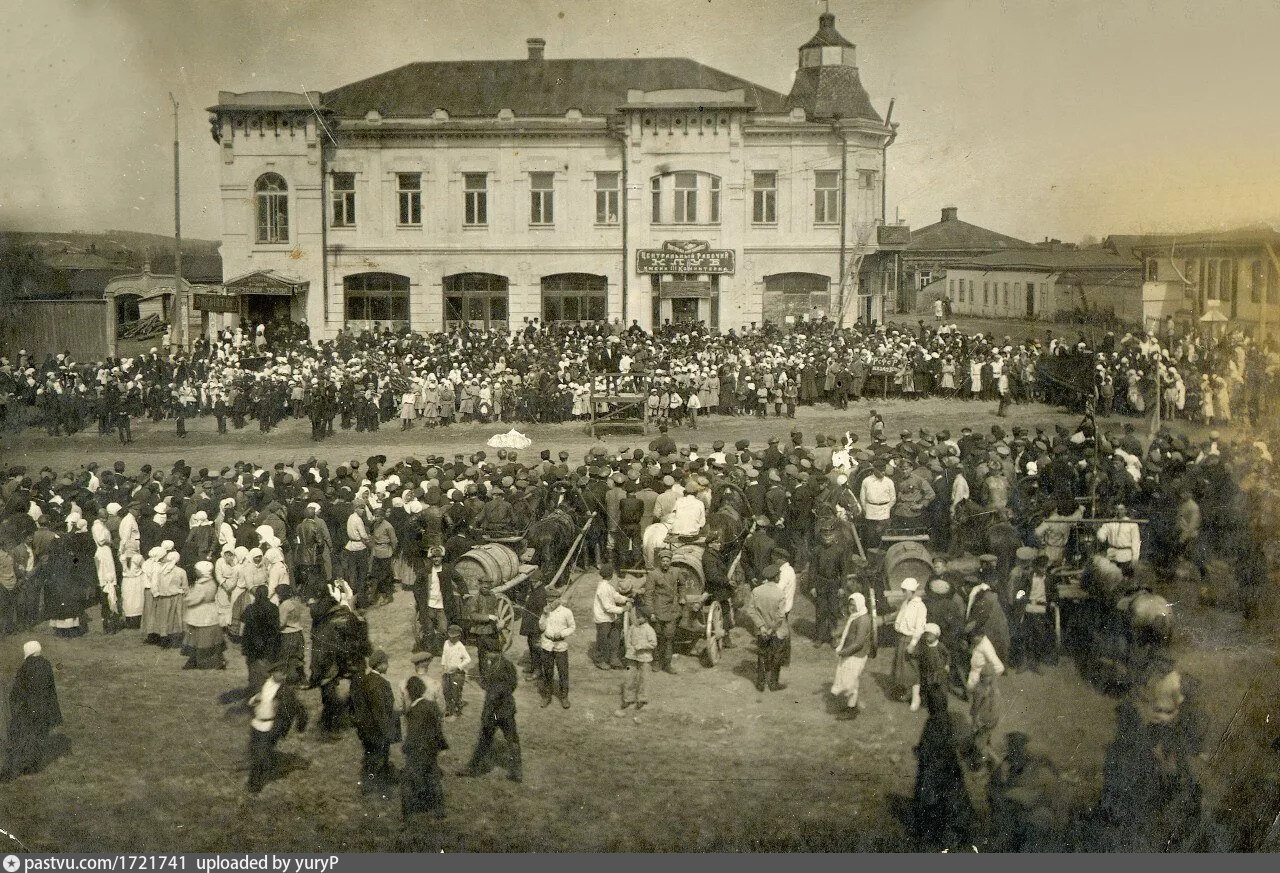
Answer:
(177, 310)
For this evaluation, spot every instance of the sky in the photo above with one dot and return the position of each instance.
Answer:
(1036, 118)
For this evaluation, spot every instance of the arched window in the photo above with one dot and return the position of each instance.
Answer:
(272, 195)
(479, 299)
(798, 296)
(377, 300)
(574, 297)
(685, 197)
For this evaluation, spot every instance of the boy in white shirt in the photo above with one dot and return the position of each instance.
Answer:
(453, 664)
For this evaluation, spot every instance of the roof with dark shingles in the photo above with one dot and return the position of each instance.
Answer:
(479, 89)
(827, 34)
(957, 235)
(832, 92)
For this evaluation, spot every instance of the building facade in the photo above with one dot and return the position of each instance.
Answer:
(1053, 282)
(495, 192)
(1228, 278)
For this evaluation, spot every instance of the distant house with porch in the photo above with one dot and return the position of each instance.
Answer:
(1187, 277)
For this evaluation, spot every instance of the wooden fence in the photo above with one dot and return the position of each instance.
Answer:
(80, 327)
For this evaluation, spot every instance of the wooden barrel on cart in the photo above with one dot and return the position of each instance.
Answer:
(494, 563)
(687, 560)
(906, 560)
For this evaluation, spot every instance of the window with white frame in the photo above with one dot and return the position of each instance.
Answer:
(607, 197)
(826, 196)
(409, 196)
(476, 199)
(685, 197)
(764, 197)
(272, 196)
(542, 198)
(344, 199)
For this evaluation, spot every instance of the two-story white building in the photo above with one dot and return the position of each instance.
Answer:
(492, 192)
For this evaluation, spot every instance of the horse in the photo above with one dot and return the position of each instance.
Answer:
(339, 646)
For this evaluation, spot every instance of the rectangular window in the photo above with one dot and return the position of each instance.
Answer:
(541, 198)
(1153, 270)
(686, 198)
(344, 199)
(607, 198)
(972, 299)
(1006, 293)
(273, 217)
(826, 196)
(715, 199)
(764, 198)
(655, 186)
(409, 195)
(476, 195)
(986, 294)
(951, 290)
(1211, 280)
(867, 180)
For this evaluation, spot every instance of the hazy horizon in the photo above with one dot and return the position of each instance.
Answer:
(1036, 118)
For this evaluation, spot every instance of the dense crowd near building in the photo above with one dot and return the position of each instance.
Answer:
(291, 562)
(551, 373)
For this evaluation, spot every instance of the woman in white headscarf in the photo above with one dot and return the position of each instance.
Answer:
(104, 562)
(169, 596)
(253, 571)
(133, 589)
(277, 572)
(242, 596)
(226, 575)
(150, 569)
(204, 635)
(854, 648)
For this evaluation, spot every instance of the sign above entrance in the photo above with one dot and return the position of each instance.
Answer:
(217, 302)
(685, 256)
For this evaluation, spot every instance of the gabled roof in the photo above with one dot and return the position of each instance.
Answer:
(954, 235)
(1054, 259)
(1137, 245)
(546, 87)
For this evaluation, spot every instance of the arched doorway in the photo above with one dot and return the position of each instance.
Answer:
(574, 297)
(796, 296)
(376, 301)
(476, 299)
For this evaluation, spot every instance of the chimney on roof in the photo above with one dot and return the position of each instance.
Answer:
(537, 47)
(949, 213)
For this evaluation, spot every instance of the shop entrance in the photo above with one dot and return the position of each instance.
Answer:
(684, 310)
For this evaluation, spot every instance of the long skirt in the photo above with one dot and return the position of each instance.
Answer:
(848, 675)
(984, 706)
(170, 615)
(421, 788)
(149, 613)
(204, 645)
(293, 652)
(905, 672)
(132, 596)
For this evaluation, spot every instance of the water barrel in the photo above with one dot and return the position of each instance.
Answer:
(905, 560)
(491, 562)
(687, 559)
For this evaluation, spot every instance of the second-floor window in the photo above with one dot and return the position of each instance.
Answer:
(826, 196)
(344, 199)
(685, 198)
(476, 194)
(607, 198)
(409, 195)
(541, 198)
(764, 198)
(272, 195)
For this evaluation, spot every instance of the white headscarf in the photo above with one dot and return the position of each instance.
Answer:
(29, 648)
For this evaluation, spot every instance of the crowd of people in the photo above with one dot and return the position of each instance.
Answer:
(291, 562)
(555, 372)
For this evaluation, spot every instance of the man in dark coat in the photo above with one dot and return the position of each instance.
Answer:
(33, 712)
(373, 710)
(943, 811)
(260, 639)
(499, 713)
(421, 787)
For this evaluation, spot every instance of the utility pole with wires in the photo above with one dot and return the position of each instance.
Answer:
(178, 327)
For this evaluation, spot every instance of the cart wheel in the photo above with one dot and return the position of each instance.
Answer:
(1057, 627)
(506, 620)
(714, 635)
